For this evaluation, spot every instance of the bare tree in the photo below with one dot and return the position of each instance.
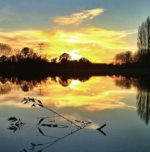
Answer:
(5, 49)
(41, 45)
(143, 41)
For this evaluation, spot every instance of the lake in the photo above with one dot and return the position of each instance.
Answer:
(62, 114)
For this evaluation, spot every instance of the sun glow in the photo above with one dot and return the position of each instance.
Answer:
(95, 44)
(73, 40)
(74, 56)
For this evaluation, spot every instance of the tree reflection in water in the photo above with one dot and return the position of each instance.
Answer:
(8, 84)
(143, 93)
(141, 83)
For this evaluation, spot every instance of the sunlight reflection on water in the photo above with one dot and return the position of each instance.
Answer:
(110, 100)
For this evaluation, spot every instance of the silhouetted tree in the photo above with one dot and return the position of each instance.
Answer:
(144, 41)
(26, 55)
(124, 57)
(64, 57)
(3, 58)
(54, 60)
(144, 36)
(13, 58)
(41, 45)
(5, 49)
(25, 51)
(84, 60)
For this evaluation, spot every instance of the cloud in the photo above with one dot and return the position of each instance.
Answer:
(96, 44)
(78, 18)
(18, 39)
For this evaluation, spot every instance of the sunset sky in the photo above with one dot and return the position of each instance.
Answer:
(95, 29)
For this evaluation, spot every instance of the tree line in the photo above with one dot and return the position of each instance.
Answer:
(7, 54)
(142, 56)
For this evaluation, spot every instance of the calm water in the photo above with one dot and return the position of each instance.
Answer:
(123, 104)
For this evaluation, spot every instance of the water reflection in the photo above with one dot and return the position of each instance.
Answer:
(110, 100)
(143, 94)
(45, 125)
(7, 84)
(92, 95)
(141, 83)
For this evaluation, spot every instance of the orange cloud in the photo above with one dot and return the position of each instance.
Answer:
(23, 38)
(96, 44)
(77, 18)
